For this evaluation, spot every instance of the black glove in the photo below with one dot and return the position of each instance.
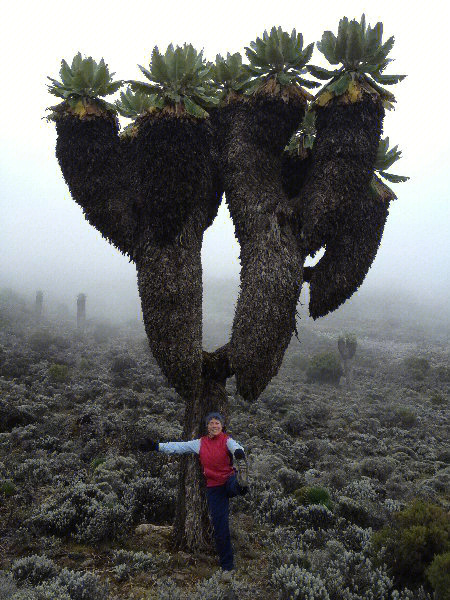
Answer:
(148, 446)
(239, 453)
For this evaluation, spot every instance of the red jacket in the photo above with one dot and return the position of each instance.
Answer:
(215, 459)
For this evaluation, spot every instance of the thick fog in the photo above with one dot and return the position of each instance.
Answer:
(46, 244)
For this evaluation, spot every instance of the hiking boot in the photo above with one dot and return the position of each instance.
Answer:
(241, 473)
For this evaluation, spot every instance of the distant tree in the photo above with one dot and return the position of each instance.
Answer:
(202, 130)
(347, 347)
(38, 305)
(81, 311)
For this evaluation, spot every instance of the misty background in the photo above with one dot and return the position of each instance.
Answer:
(45, 242)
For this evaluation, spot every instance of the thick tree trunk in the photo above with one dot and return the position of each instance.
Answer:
(192, 527)
(253, 136)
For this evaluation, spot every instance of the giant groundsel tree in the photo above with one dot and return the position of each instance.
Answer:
(298, 173)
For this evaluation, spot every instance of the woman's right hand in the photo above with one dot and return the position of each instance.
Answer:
(147, 445)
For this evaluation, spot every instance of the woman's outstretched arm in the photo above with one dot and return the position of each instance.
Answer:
(191, 447)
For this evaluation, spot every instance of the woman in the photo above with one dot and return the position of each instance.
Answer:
(223, 481)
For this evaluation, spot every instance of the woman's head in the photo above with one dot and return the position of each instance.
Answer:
(214, 423)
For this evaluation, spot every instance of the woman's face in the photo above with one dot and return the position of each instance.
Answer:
(214, 427)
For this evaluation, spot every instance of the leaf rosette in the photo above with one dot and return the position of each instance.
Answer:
(179, 80)
(363, 57)
(278, 56)
(83, 85)
(230, 75)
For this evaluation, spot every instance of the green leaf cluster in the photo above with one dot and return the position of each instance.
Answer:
(363, 57)
(280, 55)
(132, 104)
(84, 79)
(180, 76)
(304, 138)
(229, 74)
(385, 159)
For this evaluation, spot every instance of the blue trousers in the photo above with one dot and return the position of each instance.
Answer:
(218, 502)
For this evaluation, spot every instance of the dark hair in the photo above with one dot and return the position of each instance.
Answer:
(215, 415)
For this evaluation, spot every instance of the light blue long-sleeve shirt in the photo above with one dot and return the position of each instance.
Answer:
(193, 447)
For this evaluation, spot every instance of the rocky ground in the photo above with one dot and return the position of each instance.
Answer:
(83, 515)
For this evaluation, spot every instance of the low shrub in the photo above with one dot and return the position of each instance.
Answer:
(84, 512)
(33, 569)
(147, 499)
(405, 417)
(103, 332)
(58, 373)
(292, 582)
(438, 574)
(324, 368)
(129, 563)
(417, 367)
(41, 340)
(294, 423)
(122, 363)
(289, 479)
(83, 586)
(7, 488)
(307, 495)
(438, 399)
(409, 545)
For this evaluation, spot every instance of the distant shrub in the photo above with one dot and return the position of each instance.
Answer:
(62, 343)
(96, 462)
(313, 495)
(443, 373)
(289, 479)
(103, 332)
(438, 399)
(417, 367)
(58, 373)
(7, 488)
(15, 366)
(377, 467)
(85, 364)
(405, 417)
(438, 574)
(417, 534)
(294, 422)
(41, 340)
(299, 362)
(354, 511)
(324, 368)
(34, 471)
(122, 363)
(33, 569)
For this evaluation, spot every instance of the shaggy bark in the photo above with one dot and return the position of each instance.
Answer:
(89, 154)
(342, 163)
(348, 255)
(253, 135)
(178, 198)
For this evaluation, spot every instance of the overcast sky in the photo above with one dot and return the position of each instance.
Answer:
(45, 243)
